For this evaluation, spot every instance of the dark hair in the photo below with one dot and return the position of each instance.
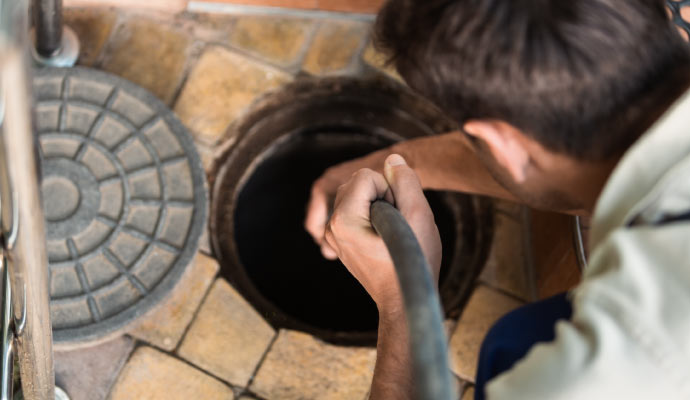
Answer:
(579, 76)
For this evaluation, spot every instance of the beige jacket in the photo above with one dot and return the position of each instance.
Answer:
(629, 337)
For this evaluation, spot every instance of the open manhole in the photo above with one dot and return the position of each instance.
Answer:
(262, 185)
(124, 198)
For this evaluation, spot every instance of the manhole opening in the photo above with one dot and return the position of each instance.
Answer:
(260, 197)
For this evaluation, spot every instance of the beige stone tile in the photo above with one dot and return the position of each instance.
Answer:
(228, 338)
(334, 46)
(299, 366)
(505, 268)
(88, 373)
(278, 40)
(149, 53)
(169, 6)
(207, 156)
(483, 309)
(165, 325)
(93, 27)
(378, 60)
(221, 86)
(210, 27)
(355, 6)
(153, 375)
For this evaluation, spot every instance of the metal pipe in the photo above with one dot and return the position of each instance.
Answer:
(47, 18)
(428, 346)
(6, 333)
(579, 243)
(22, 224)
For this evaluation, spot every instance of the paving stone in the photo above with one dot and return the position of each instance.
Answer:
(149, 53)
(228, 338)
(222, 86)
(210, 27)
(168, 6)
(505, 268)
(278, 40)
(304, 4)
(207, 156)
(153, 375)
(378, 60)
(88, 373)
(298, 366)
(166, 324)
(334, 46)
(93, 27)
(483, 309)
(354, 6)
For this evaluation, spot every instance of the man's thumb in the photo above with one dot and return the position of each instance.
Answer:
(406, 188)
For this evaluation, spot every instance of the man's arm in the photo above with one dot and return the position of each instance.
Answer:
(442, 162)
(352, 238)
(393, 372)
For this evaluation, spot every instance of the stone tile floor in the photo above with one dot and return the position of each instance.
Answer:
(205, 341)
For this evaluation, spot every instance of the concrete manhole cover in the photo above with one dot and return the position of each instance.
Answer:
(124, 199)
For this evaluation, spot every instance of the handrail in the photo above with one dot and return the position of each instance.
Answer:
(22, 237)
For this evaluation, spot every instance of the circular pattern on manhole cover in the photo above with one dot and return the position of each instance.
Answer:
(124, 199)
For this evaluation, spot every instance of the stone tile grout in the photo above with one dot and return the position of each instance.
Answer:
(308, 42)
(137, 344)
(356, 64)
(196, 49)
(262, 359)
(196, 312)
(188, 363)
(108, 44)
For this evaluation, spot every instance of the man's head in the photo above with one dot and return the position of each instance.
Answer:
(540, 84)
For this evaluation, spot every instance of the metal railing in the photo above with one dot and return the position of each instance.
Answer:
(26, 329)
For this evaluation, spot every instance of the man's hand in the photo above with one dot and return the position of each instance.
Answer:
(323, 192)
(350, 235)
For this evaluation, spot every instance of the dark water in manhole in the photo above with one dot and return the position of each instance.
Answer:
(281, 259)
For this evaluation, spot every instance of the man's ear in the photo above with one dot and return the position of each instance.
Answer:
(504, 142)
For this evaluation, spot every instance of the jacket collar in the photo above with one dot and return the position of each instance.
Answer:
(647, 166)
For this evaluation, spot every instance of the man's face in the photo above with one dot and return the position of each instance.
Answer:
(537, 190)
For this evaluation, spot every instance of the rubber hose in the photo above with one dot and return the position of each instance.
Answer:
(428, 348)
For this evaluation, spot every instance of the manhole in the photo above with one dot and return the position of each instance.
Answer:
(262, 187)
(124, 200)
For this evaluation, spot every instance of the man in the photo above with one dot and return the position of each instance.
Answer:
(576, 106)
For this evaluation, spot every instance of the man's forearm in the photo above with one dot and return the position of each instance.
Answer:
(445, 162)
(393, 372)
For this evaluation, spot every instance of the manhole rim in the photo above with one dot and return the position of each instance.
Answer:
(241, 153)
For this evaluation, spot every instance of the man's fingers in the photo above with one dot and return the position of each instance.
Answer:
(328, 252)
(317, 214)
(355, 197)
(410, 200)
(406, 188)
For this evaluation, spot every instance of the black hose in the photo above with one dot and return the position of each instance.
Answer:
(428, 347)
